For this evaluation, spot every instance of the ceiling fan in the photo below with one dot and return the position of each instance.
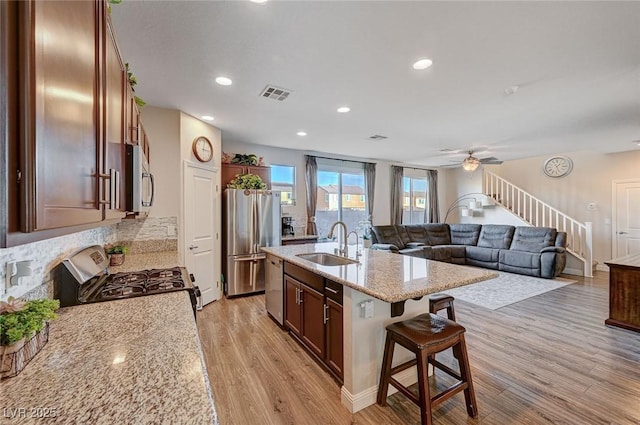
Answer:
(471, 163)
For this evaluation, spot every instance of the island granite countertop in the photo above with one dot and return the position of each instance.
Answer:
(130, 361)
(389, 277)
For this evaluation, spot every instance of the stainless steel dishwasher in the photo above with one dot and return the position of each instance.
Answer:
(274, 293)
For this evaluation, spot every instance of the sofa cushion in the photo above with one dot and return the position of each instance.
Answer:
(447, 253)
(520, 262)
(465, 233)
(417, 233)
(482, 257)
(533, 239)
(437, 233)
(402, 233)
(496, 236)
(387, 235)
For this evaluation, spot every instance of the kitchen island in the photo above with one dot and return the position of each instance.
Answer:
(129, 361)
(371, 287)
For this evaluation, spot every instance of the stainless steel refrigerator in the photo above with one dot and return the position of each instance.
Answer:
(251, 220)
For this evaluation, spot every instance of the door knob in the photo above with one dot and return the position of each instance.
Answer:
(622, 233)
(192, 247)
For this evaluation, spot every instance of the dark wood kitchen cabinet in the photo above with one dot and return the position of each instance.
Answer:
(230, 171)
(61, 168)
(115, 86)
(293, 312)
(313, 313)
(63, 102)
(313, 331)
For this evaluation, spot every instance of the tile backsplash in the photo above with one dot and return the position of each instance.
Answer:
(141, 235)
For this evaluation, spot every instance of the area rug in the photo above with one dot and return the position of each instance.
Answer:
(506, 289)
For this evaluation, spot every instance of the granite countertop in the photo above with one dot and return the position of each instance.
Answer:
(383, 275)
(148, 260)
(300, 238)
(130, 361)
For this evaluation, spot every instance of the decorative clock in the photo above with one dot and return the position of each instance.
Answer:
(202, 149)
(558, 166)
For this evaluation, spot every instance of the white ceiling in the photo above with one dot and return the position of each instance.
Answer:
(577, 65)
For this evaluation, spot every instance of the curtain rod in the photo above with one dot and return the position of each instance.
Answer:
(414, 168)
(343, 160)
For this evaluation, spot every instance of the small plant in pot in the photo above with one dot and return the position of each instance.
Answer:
(20, 323)
(116, 254)
(247, 181)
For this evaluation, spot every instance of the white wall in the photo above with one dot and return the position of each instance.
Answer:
(163, 129)
(590, 181)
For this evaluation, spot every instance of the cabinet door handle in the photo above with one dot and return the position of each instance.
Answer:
(333, 291)
(297, 295)
(301, 296)
(325, 318)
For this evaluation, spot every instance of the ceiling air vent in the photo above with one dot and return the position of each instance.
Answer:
(275, 93)
(377, 137)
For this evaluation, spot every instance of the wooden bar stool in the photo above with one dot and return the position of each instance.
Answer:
(425, 335)
(439, 302)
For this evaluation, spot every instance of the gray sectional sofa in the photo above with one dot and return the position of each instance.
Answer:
(533, 251)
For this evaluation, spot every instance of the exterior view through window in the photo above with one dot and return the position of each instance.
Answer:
(283, 179)
(341, 196)
(414, 200)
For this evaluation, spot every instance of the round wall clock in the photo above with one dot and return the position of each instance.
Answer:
(202, 149)
(558, 166)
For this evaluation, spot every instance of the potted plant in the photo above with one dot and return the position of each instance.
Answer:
(247, 181)
(23, 331)
(116, 254)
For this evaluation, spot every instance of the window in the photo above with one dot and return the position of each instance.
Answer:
(415, 199)
(283, 179)
(341, 185)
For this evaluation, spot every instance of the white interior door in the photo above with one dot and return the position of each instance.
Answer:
(201, 228)
(626, 229)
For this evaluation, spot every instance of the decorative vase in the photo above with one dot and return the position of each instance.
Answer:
(116, 259)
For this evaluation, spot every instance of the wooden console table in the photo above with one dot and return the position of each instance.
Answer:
(624, 292)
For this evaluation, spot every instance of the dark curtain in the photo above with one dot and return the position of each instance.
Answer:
(369, 186)
(311, 179)
(432, 213)
(397, 194)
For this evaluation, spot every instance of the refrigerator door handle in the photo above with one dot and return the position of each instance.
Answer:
(240, 259)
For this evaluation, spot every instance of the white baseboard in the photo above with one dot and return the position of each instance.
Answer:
(602, 267)
(356, 402)
(575, 272)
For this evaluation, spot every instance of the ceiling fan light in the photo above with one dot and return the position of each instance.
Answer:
(470, 164)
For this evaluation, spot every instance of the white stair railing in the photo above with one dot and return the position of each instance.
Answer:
(539, 213)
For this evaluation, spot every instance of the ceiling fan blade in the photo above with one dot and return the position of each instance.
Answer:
(491, 160)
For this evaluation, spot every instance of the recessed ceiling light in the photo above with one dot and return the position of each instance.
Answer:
(637, 142)
(207, 117)
(224, 81)
(343, 109)
(259, 1)
(301, 133)
(511, 90)
(422, 64)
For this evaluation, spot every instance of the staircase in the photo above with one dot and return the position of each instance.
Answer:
(538, 213)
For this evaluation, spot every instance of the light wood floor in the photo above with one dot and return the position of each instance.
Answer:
(546, 360)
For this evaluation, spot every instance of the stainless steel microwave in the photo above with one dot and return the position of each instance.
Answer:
(140, 184)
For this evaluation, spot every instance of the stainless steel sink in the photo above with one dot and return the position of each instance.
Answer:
(326, 259)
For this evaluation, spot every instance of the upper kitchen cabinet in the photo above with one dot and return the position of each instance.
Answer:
(64, 101)
(60, 155)
(115, 85)
(230, 171)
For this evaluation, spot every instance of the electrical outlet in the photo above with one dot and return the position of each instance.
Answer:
(171, 230)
